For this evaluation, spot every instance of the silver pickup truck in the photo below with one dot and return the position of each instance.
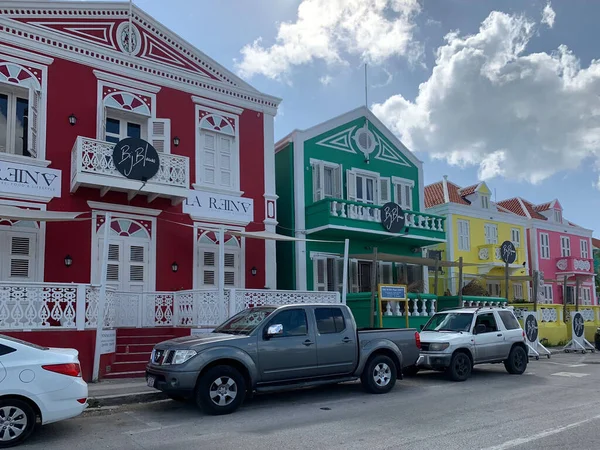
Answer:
(266, 349)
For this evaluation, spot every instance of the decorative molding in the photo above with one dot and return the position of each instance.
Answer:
(124, 208)
(27, 56)
(20, 159)
(477, 213)
(362, 230)
(217, 105)
(127, 82)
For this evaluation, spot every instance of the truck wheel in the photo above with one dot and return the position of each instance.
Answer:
(516, 364)
(460, 367)
(221, 390)
(410, 371)
(379, 375)
(18, 419)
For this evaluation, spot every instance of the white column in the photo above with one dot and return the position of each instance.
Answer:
(102, 298)
(221, 281)
(270, 197)
(345, 270)
(300, 211)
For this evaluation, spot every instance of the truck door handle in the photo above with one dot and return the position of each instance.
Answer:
(308, 342)
(499, 334)
(346, 340)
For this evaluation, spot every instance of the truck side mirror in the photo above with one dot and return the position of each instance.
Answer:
(274, 330)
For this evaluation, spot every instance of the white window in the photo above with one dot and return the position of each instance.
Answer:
(328, 273)
(491, 233)
(585, 253)
(403, 192)
(327, 180)
(557, 216)
(586, 296)
(209, 264)
(18, 251)
(565, 246)
(18, 121)
(464, 235)
(518, 291)
(544, 246)
(515, 237)
(493, 288)
(367, 187)
(485, 202)
(547, 290)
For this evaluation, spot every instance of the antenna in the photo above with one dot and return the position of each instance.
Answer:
(495, 196)
(366, 93)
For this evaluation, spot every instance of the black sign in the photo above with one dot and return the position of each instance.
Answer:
(578, 326)
(508, 252)
(392, 217)
(531, 328)
(136, 159)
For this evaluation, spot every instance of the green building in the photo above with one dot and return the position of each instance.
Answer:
(332, 181)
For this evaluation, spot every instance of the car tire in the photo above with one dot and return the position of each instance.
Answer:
(516, 364)
(221, 390)
(379, 375)
(24, 421)
(460, 367)
(410, 371)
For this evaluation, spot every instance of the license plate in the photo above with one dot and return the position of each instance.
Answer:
(150, 381)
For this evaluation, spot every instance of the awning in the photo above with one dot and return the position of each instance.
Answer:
(268, 236)
(410, 260)
(13, 213)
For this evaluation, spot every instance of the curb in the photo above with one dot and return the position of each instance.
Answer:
(124, 399)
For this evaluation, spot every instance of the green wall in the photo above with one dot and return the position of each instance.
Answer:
(284, 187)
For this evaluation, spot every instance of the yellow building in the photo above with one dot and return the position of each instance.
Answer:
(476, 227)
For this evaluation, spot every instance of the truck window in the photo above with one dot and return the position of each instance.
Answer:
(488, 320)
(330, 320)
(509, 320)
(293, 321)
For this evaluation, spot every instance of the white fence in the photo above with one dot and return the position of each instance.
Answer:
(35, 306)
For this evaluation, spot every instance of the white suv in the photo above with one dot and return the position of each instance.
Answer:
(454, 341)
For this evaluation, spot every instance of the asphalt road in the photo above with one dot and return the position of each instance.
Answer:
(556, 404)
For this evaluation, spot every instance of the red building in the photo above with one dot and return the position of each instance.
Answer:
(75, 78)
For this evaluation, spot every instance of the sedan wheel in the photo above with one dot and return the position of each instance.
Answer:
(17, 421)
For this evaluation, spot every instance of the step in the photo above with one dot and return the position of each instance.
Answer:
(128, 366)
(132, 357)
(135, 348)
(132, 374)
(144, 339)
(144, 331)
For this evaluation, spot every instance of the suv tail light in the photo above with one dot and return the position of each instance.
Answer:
(418, 339)
(69, 369)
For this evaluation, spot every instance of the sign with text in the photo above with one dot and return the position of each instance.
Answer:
(219, 207)
(25, 179)
(392, 217)
(108, 342)
(136, 159)
(392, 292)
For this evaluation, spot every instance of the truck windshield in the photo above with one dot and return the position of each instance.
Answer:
(245, 322)
(449, 322)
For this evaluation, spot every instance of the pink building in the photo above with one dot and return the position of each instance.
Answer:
(559, 249)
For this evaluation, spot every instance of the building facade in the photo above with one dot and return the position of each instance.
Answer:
(332, 181)
(559, 249)
(476, 227)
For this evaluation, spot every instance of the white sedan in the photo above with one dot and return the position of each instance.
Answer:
(37, 382)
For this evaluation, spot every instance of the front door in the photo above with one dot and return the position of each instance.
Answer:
(293, 354)
(336, 342)
(489, 343)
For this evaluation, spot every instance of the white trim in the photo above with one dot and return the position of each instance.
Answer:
(367, 232)
(20, 159)
(558, 228)
(230, 223)
(477, 213)
(535, 250)
(218, 105)
(270, 191)
(450, 249)
(127, 82)
(20, 53)
(300, 213)
(124, 209)
(541, 246)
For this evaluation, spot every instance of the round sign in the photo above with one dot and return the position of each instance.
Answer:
(392, 217)
(136, 159)
(531, 328)
(578, 326)
(508, 252)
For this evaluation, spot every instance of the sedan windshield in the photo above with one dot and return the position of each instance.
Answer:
(449, 322)
(245, 322)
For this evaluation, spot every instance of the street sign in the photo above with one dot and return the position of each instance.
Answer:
(392, 217)
(508, 252)
(136, 159)
(531, 329)
(578, 341)
(392, 293)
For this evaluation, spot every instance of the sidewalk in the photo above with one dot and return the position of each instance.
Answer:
(120, 392)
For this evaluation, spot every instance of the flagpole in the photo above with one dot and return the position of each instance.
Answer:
(366, 91)
(130, 25)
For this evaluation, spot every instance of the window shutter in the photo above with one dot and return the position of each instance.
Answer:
(102, 128)
(33, 118)
(351, 186)
(22, 249)
(408, 197)
(320, 274)
(384, 191)
(354, 275)
(318, 182)
(331, 275)
(159, 134)
(338, 182)
(339, 264)
(385, 273)
(224, 162)
(208, 268)
(209, 157)
(138, 266)
(230, 265)
(113, 268)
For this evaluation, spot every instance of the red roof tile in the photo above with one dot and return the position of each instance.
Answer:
(513, 205)
(468, 190)
(595, 243)
(543, 206)
(434, 194)
(454, 196)
(532, 212)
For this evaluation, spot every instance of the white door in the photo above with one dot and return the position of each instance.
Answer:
(128, 264)
(208, 261)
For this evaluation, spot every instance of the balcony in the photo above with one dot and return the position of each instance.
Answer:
(92, 166)
(327, 216)
(571, 264)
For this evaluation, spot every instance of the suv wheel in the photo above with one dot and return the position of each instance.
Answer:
(17, 421)
(460, 367)
(516, 364)
(379, 375)
(221, 390)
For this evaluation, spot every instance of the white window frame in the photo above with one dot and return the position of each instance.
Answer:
(6, 235)
(565, 246)
(235, 153)
(518, 291)
(400, 186)
(558, 216)
(125, 117)
(586, 295)
(464, 238)
(494, 288)
(325, 259)
(13, 92)
(584, 248)
(318, 179)
(380, 275)
(238, 274)
(544, 246)
(351, 185)
(515, 236)
(548, 290)
(491, 233)
(485, 201)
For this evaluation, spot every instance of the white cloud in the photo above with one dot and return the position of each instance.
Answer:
(548, 15)
(326, 80)
(488, 103)
(330, 30)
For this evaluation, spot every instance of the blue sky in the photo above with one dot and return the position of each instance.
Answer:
(512, 96)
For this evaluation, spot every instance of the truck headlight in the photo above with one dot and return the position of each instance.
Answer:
(182, 356)
(438, 346)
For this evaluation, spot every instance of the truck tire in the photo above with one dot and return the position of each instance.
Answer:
(21, 421)
(379, 375)
(516, 364)
(460, 367)
(221, 390)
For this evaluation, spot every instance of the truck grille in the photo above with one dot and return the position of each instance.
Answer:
(157, 356)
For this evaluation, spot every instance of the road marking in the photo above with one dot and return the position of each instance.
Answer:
(578, 365)
(570, 374)
(158, 428)
(542, 435)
